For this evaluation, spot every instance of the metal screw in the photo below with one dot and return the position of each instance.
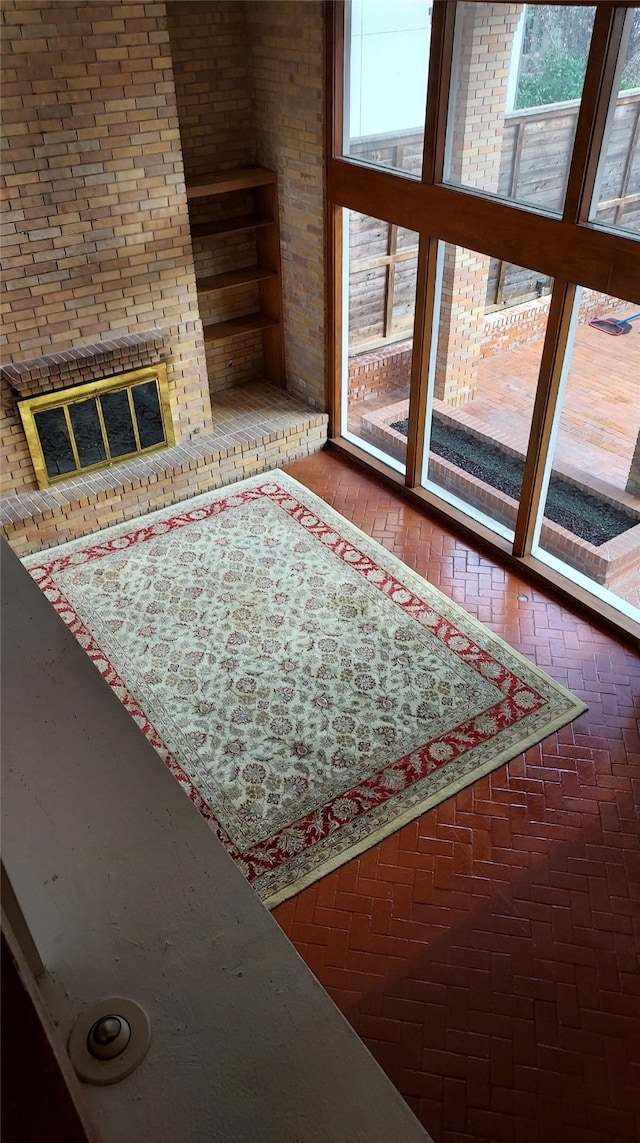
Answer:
(108, 1037)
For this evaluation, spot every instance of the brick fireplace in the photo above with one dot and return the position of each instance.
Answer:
(107, 107)
(256, 427)
(64, 374)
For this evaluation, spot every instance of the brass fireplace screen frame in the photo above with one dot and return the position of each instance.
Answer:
(29, 409)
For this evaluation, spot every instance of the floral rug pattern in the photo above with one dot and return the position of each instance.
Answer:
(308, 690)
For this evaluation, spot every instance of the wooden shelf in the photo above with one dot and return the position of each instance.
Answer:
(223, 181)
(245, 324)
(229, 225)
(242, 277)
(261, 187)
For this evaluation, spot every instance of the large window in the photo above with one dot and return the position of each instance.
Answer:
(590, 517)
(381, 297)
(541, 52)
(485, 363)
(385, 76)
(486, 308)
(616, 201)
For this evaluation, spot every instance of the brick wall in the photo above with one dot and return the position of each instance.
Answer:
(96, 235)
(287, 45)
(249, 91)
(210, 69)
(379, 371)
(633, 480)
(484, 45)
(211, 63)
(387, 367)
(517, 325)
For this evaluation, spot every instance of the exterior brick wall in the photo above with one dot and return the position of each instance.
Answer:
(518, 325)
(287, 45)
(96, 233)
(633, 480)
(387, 367)
(484, 46)
(380, 371)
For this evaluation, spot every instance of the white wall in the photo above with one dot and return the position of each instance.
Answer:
(388, 65)
(127, 892)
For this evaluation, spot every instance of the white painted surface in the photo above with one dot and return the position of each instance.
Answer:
(389, 63)
(127, 891)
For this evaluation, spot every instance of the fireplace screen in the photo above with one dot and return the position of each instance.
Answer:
(95, 425)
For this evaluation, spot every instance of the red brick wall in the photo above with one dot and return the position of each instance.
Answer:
(287, 44)
(211, 62)
(96, 234)
(210, 69)
(249, 91)
(378, 372)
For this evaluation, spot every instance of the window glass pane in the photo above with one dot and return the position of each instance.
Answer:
(55, 441)
(617, 194)
(382, 261)
(517, 79)
(87, 431)
(385, 93)
(117, 419)
(591, 521)
(484, 373)
(148, 415)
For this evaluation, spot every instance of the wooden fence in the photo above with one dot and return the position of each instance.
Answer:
(536, 151)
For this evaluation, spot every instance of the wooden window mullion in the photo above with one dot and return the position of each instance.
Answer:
(599, 82)
(443, 18)
(336, 333)
(392, 250)
(545, 411)
(423, 333)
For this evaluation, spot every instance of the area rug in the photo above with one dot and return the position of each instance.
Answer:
(309, 691)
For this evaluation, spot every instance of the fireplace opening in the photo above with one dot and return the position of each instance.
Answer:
(93, 426)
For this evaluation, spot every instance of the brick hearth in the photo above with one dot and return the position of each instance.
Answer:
(256, 428)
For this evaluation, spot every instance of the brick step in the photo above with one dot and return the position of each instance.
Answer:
(258, 427)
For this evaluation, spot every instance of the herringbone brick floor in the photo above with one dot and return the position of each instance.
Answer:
(488, 953)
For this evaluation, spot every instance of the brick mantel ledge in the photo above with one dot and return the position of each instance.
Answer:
(86, 363)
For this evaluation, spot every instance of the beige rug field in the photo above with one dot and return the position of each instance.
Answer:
(309, 691)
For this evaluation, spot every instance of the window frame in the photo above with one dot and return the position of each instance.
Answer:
(570, 249)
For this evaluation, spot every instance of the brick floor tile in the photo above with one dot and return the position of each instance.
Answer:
(488, 952)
